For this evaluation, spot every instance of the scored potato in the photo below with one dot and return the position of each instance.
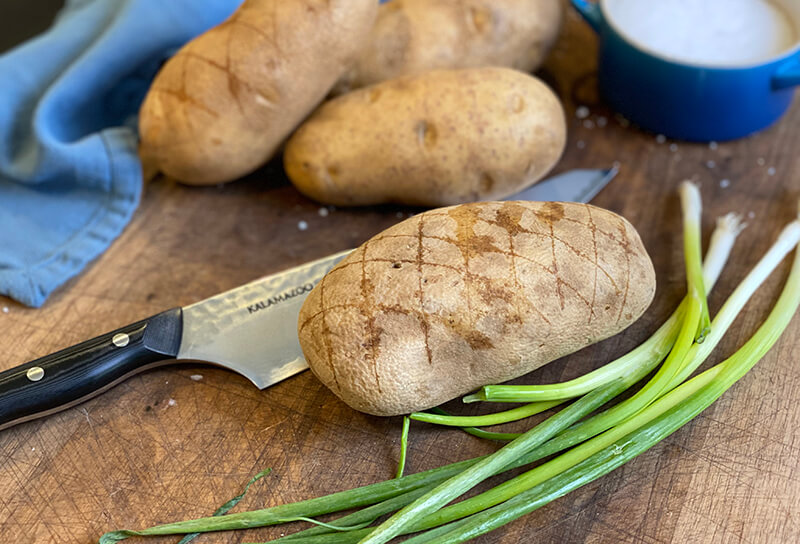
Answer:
(415, 36)
(436, 139)
(456, 298)
(227, 100)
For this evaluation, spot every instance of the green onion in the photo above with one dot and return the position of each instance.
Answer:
(380, 495)
(491, 464)
(691, 206)
(787, 240)
(368, 514)
(401, 464)
(336, 502)
(489, 419)
(480, 433)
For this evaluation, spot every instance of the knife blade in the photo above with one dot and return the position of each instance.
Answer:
(251, 329)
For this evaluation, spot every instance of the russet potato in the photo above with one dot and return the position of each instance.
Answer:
(456, 298)
(227, 100)
(435, 139)
(414, 36)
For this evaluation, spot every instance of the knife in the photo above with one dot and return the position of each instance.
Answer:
(251, 330)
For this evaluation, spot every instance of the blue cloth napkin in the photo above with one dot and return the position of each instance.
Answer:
(70, 177)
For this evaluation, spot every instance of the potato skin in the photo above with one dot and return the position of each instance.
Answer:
(456, 298)
(436, 139)
(415, 36)
(229, 98)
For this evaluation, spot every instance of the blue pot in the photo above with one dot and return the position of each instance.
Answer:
(685, 101)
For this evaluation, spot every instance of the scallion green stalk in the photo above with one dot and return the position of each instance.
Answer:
(692, 208)
(474, 431)
(336, 502)
(497, 418)
(401, 463)
(787, 240)
(490, 465)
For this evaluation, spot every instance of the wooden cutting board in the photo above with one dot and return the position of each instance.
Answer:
(176, 443)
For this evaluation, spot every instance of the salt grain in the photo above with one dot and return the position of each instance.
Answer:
(580, 144)
(302, 225)
(323, 212)
(5, 309)
(713, 146)
(588, 124)
(771, 171)
(725, 183)
(582, 112)
(399, 215)
(196, 377)
(172, 402)
(673, 147)
(761, 161)
(711, 164)
(661, 138)
(602, 121)
(751, 215)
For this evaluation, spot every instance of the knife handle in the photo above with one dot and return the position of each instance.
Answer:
(70, 376)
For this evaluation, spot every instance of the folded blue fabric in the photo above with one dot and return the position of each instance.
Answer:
(70, 177)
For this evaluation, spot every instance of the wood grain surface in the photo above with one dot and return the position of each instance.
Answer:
(177, 442)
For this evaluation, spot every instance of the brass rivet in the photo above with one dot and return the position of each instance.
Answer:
(120, 340)
(35, 373)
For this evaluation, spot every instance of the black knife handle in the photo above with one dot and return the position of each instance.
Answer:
(77, 373)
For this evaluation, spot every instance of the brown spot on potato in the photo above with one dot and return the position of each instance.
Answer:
(551, 212)
(477, 340)
(481, 20)
(216, 141)
(479, 245)
(373, 340)
(517, 103)
(486, 183)
(374, 95)
(490, 292)
(393, 6)
(426, 134)
(333, 171)
(509, 216)
(531, 170)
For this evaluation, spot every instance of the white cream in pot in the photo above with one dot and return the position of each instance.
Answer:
(708, 32)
